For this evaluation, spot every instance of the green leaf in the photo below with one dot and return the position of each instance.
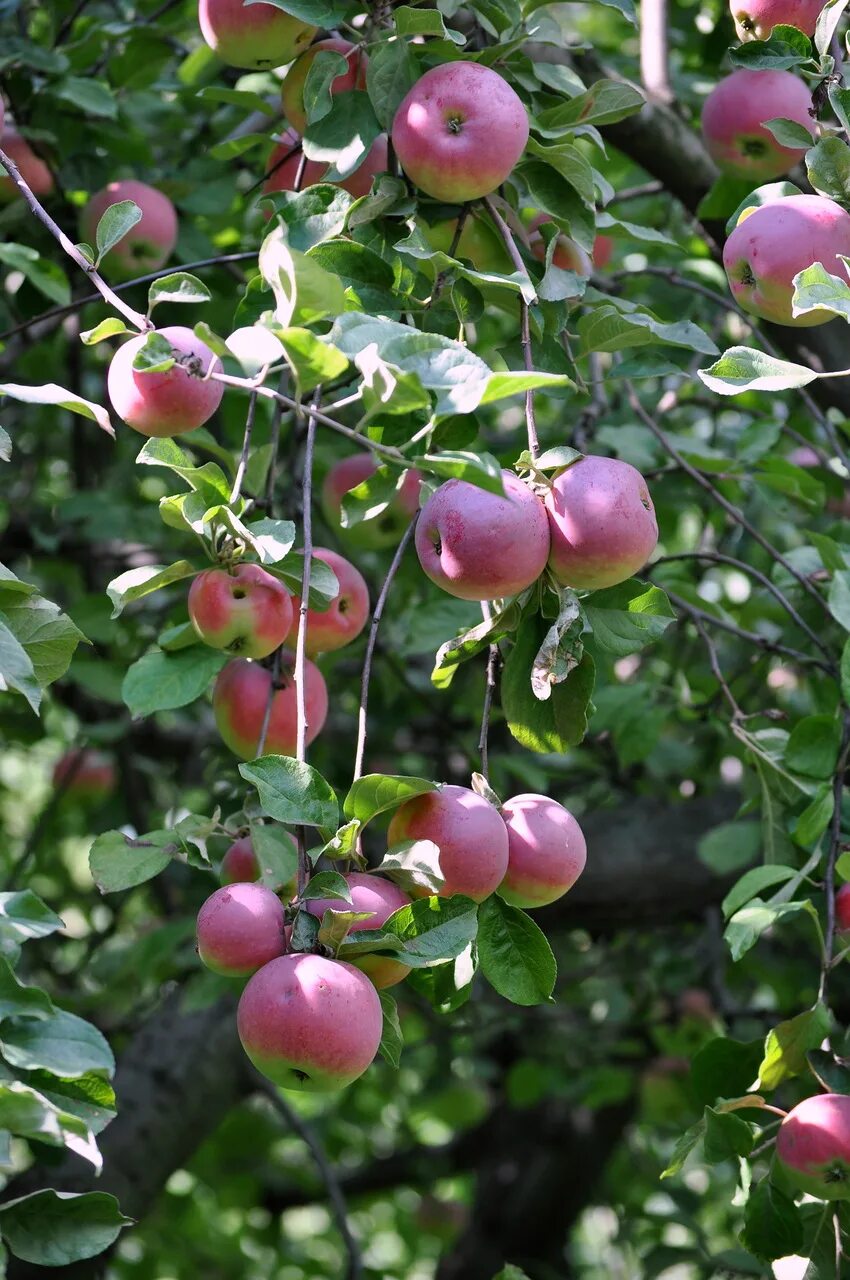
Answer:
(377, 792)
(111, 327)
(55, 1228)
(17, 1000)
(344, 136)
(30, 1114)
(827, 24)
(480, 469)
(816, 817)
(742, 369)
(845, 671)
(626, 618)
(16, 669)
(276, 854)
(513, 953)
(828, 168)
(414, 865)
(53, 395)
(311, 216)
(272, 539)
(162, 681)
(787, 1044)
(730, 846)
(324, 587)
(63, 1043)
(788, 133)
(136, 583)
(747, 925)
(208, 480)
(48, 636)
(326, 884)
(324, 69)
(93, 97)
(118, 219)
(24, 916)
(155, 355)
(434, 929)
(785, 49)
(816, 290)
(390, 73)
(754, 882)
(118, 861)
(562, 648)
(605, 102)
(773, 1226)
(839, 597)
(392, 1040)
(178, 287)
(813, 746)
(559, 722)
(43, 274)
(686, 1143)
(312, 361)
(725, 1068)
(727, 1136)
(472, 641)
(292, 792)
(424, 22)
(606, 328)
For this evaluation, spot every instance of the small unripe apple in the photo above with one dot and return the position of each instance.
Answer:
(258, 36)
(813, 1146)
(381, 898)
(85, 773)
(603, 523)
(460, 131)
(546, 851)
(477, 545)
(755, 19)
(169, 403)
(240, 699)
(776, 241)
(284, 176)
(246, 611)
(239, 865)
(309, 1023)
(34, 171)
(240, 929)
(387, 528)
(292, 92)
(842, 910)
(733, 117)
(147, 245)
(343, 621)
(469, 832)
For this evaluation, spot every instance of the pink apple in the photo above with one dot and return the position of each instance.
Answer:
(147, 245)
(85, 773)
(602, 521)
(337, 626)
(309, 1023)
(381, 898)
(774, 242)
(733, 117)
(240, 699)
(239, 865)
(240, 929)
(387, 528)
(477, 545)
(842, 909)
(284, 176)
(468, 831)
(169, 403)
(813, 1146)
(460, 131)
(546, 851)
(258, 36)
(34, 171)
(292, 93)
(755, 19)
(603, 250)
(246, 611)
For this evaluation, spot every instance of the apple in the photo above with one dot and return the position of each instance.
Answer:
(169, 403)
(755, 19)
(469, 832)
(459, 131)
(602, 521)
(381, 898)
(387, 528)
(813, 1146)
(477, 545)
(292, 92)
(147, 245)
(842, 910)
(239, 864)
(568, 255)
(240, 929)
(733, 117)
(603, 251)
(546, 851)
(258, 36)
(338, 625)
(479, 242)
(84, 773)
(240, 698)
(34, 171)
(774, 242)
(310, 1023)
(283, 176)
(245, 610)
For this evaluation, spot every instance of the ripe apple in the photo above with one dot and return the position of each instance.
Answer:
(755, 19)
(459, 132)
(469, 832)
(546, 851)
(387, 528)
(147, 245)
(477, 545)
(382, 899)
(246, 611)
(310, 1023)
(345, 619)
(258, 36)
(774, 242)
(284, 176)
(602, 521)
(733, 117)
(239, 865)
(34, 171)
(292, 92)
(813, 1146)
(240, 929)
(169, 403)
(85, 773)
(842, 910)
(479, 242)
(603, 250)
(240, 698)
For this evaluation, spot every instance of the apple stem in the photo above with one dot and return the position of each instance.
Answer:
(246, 447)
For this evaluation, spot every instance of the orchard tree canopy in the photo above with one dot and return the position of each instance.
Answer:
(424, 659)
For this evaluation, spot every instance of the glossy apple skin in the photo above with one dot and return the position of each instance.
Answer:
(248, 611)
(85, 773)
(240, 929)
(469, 832)
(239, 702)
(755, 19)
(776, 241)
(34, 171)
(285, 175)
(733, 117)
(387, 528)
(292, 90)
(480, 546)
(164, 404)
(479, 242)
(310, 1024)
(813, 1146)
(602, 521)
(336, 627)
(239, 864)
(382, 898)
(546, 851)
(459, 132)
(257, 36)
(149, 244)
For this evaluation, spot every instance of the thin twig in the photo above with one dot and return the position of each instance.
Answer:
(442, 276)
(832, 856)
(751, 637)
(273, 688)
(637, 193)
(277, 414)
(246, 449)
(737, 713)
